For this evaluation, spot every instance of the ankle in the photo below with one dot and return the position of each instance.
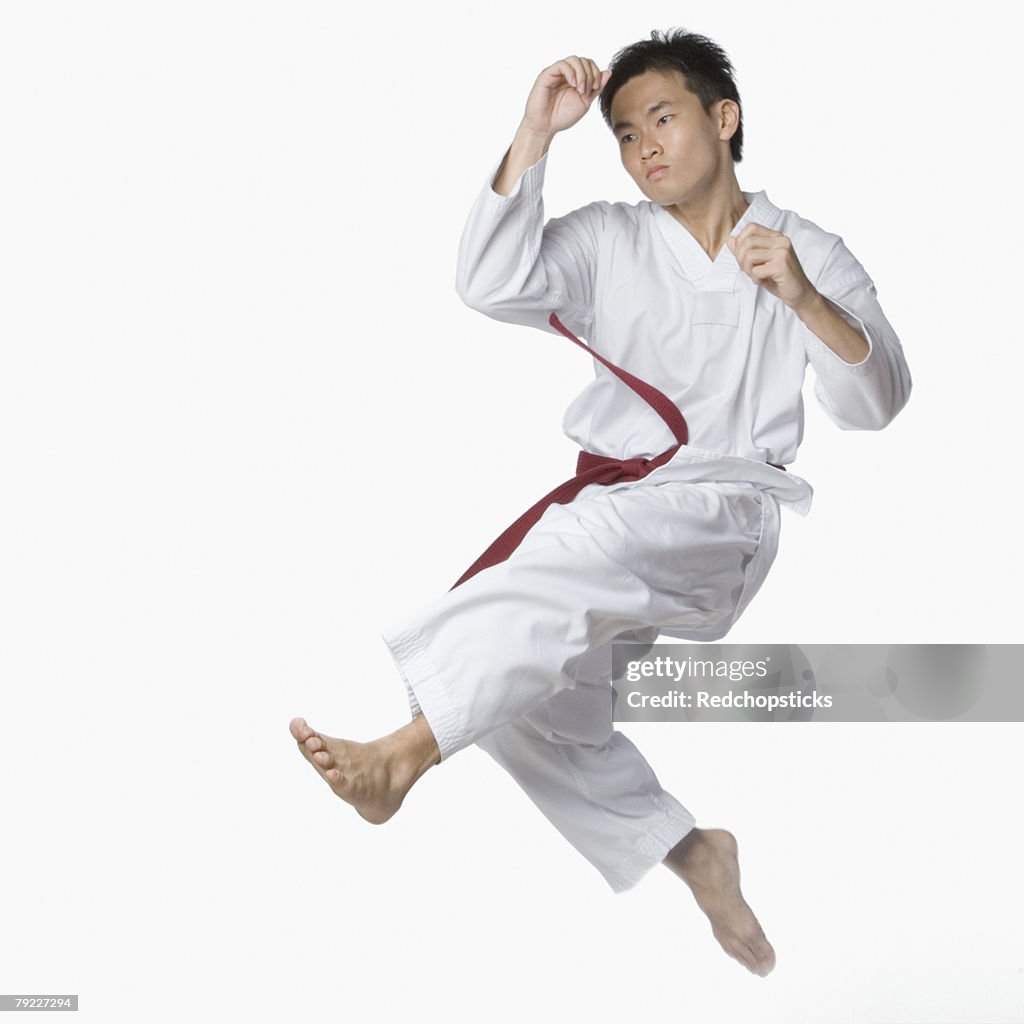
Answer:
(687, 853)
(413, 748)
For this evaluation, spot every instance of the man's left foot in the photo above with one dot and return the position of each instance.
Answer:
(706, 859)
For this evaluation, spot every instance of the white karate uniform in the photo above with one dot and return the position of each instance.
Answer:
(517, 659)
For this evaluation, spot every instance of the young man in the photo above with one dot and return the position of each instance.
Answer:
(719, 300)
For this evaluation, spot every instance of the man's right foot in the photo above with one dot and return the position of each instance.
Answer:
(373, 777)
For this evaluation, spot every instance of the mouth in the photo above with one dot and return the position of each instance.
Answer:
(656, 172)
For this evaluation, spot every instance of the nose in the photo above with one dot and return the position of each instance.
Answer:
(649, 146)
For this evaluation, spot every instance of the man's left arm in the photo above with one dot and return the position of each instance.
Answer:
(862, 376)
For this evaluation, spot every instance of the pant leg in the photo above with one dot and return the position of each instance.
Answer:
(678, 555)
(590, 781)
(517, 658)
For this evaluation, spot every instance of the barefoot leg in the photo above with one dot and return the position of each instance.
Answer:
(373, 777)
(706, 860)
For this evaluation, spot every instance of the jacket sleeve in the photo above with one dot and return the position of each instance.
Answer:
(865, 395)
(514, 268)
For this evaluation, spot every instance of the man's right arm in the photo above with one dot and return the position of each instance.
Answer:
(560, 97)
(510, 266)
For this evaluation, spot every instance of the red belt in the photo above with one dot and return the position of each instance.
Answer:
(590, 469)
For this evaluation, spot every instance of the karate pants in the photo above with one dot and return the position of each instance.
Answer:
(518, 658)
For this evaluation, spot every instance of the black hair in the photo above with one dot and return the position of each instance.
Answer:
(703, 63)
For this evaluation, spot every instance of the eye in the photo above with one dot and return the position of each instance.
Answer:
(665, 118)
(629, 137)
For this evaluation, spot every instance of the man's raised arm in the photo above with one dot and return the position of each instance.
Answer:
(560, 97)
(510, 266)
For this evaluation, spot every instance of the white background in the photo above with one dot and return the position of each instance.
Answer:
(245, 423)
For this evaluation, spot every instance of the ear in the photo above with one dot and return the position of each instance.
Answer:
(727, 115)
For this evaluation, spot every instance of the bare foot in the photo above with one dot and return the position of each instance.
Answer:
(706, 860)
(373, 777)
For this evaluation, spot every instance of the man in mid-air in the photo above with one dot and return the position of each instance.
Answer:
(703, 306)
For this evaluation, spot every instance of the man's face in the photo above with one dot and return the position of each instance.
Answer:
(671, 148)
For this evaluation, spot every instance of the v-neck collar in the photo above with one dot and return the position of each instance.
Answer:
(699, 268)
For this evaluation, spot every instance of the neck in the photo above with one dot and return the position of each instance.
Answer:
(711, 216)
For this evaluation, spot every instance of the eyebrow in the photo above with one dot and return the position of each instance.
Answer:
(652, 109)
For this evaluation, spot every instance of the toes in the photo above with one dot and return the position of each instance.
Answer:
(757, 960)
(761, 952)
(313, 743)
(747, 958)
(299, 729)
(341, 784)
(323, 758)
(739, 953)
(765, 962)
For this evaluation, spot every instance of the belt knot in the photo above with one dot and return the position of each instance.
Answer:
(590, 468)
(635, 467)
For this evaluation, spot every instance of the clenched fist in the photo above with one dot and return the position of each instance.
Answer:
(767, 257)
